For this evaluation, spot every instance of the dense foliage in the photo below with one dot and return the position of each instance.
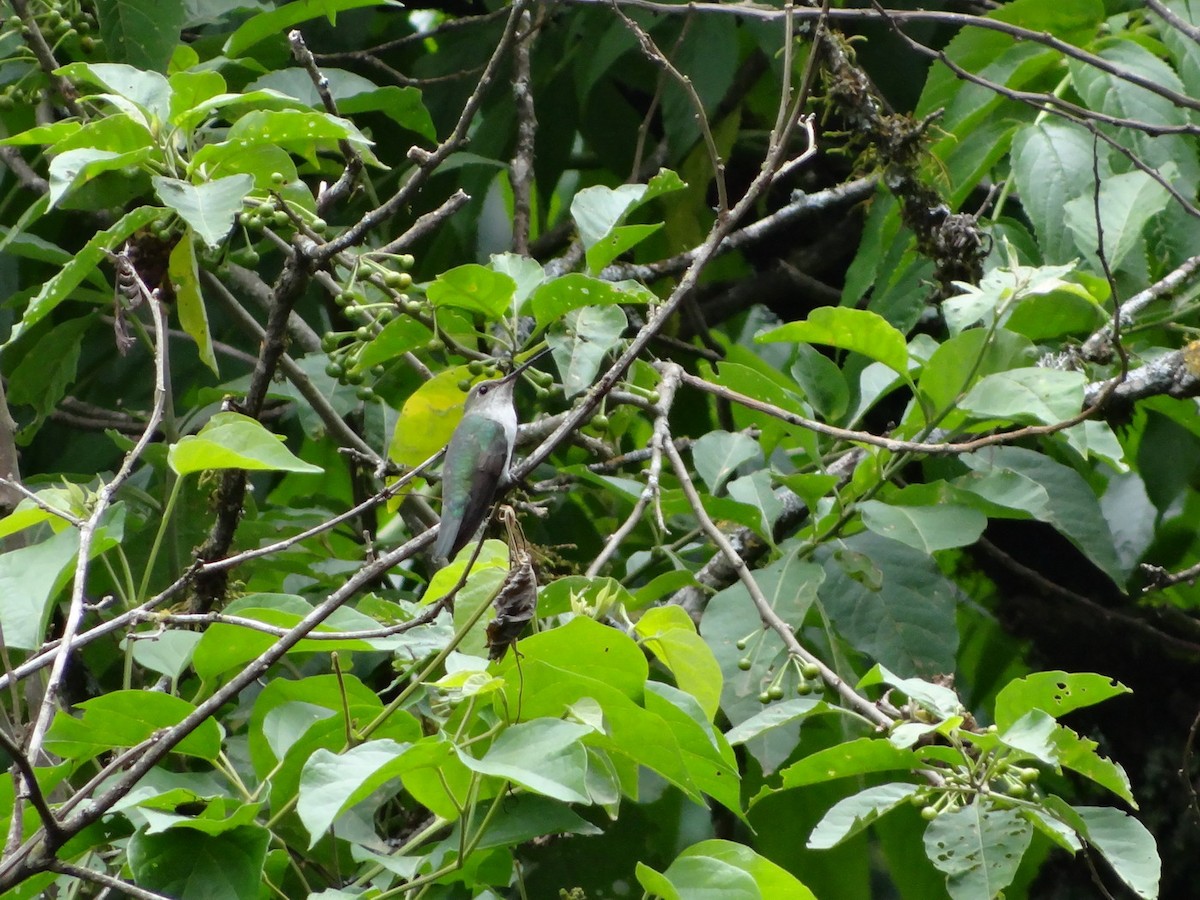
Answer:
(858, 478)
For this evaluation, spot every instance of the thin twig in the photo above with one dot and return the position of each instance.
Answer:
(667, 386)
(521, 170)
(103, 878)
(656, 56)
(766, 612)
(427, 162)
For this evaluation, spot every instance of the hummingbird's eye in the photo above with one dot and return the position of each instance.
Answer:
(483, 390)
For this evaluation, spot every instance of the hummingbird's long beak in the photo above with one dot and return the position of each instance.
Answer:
(523, 366)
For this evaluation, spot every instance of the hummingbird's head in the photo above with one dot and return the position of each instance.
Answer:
(498, 390)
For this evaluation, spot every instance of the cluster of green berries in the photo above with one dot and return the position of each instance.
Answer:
(58, 22)
(808, 675)
(344, 348)
(959, 789)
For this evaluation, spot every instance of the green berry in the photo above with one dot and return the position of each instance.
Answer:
(363, 333)
(600, 421)
(745, 663)
(329, 342)
(742, 643)
(405, 261)
(475, 367)
(929, 813)
(281, 219)
(250, 257)
(355, 376)
(764, 698)
(365, 393)
(277, 178)
(344, 298)
(810, 670)
(319, 226)
(435, 345)
(1029, 776)
(775, 692)
(804, 688)
(378, 370)
(335, 370)
(87, 43)
(464, 385)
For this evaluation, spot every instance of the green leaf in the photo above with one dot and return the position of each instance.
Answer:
(209, 208)
(709, 759)
(581, 340)
(616, 242)
(168, 653)
(29, 578)
(1056, 693)
(185, 276)
(276, 22)
(979, 849)
(857, 757)
(1075, 511)
(544, 756)
(149, 91)
(717, 455)
(398, 337)
(670, 634)
(74, 168)
(1127, 203)
(773, 716)
(855, 330)
(1052, 164)
(756, 490)
(925, 528)
(598, 209)
(1035, 395)
(60, 286)
(124, 719)
(353, 94)
(231, 440)
(303, 131)
(142, 33)
(333, 782)
(906, 620)
(190, 865)
(428, 418)
(1127, 846)
(552, 300)
(46, 372)
(226, 646)
(850, 816)
(697, 877)
(474, 288)
(774, 882)
(190, 89)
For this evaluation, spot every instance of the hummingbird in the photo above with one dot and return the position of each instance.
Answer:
(477, 461)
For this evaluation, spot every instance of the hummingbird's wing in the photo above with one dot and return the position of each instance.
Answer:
(475, 461)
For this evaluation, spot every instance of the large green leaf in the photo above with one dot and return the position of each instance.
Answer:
(1127, 846)
(925, 528)
(231, 440)
(544, 756)
(1056, 693)
(209, 208)
(195, 866)
(905, 620)
(93, 253)
(141, 33)
(979, 849)
(124, 719)
(850, 816)
(856, 330)
(670, 634)
(332, 782)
